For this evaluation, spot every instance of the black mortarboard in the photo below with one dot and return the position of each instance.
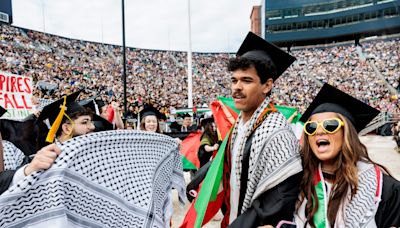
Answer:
(100, 123)
(89, 103)
(55, 113)
(256, 48)
(2, 111)
(100, 103)
(51, 111)
(94, 103)
(205, 121)
(151, 111)
(185, 115)
(330, 99)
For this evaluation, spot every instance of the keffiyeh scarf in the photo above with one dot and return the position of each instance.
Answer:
(274, 153)
(106, 179)
(356, 212)
(13, 157)
(43, 103)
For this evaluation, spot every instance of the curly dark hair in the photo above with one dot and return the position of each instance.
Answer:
(265, 70)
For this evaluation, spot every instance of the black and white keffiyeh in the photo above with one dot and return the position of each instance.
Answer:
(274, 154)
(43, 103)
(360, 210)
(105, 179)
(13, 157)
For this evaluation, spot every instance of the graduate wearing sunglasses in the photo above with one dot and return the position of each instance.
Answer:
(341, 185)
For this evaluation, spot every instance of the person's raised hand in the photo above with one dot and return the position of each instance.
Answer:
(43, 159)
(216, 146)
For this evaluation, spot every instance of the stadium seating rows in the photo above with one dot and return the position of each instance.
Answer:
(159, 77)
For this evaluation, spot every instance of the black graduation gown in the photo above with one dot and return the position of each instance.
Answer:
(21, 133)
(7, 176)
(192, 128)
(272, 206)
(388, 214)
(6, 179)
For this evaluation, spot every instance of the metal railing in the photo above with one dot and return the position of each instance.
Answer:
(377, 122)
(380, 120)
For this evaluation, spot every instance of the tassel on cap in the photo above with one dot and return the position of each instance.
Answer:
(57, 122)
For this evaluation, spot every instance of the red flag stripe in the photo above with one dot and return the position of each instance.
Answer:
(190, 146)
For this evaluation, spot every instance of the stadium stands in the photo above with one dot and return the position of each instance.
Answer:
(159, 77)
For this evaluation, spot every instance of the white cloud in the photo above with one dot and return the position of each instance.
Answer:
(217, 25)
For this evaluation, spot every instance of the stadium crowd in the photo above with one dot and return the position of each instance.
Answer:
(59, 66)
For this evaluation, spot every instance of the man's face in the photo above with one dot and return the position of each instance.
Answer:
(83, 125)
(187, 121)
(247, 91)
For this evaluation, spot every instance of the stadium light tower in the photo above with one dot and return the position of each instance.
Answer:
(189, 68)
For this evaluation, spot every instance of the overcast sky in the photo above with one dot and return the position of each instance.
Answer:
(217, 25)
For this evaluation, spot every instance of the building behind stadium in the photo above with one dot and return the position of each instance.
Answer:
(309, 22)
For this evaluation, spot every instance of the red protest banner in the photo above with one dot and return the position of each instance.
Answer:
(15, 95)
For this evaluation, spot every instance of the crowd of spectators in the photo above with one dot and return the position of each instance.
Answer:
(347, 69)
(60, 65)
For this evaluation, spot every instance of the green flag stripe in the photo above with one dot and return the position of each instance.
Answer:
(187, 164)
(210, 184)
(319, 216)
(286, 111)
(229, 102)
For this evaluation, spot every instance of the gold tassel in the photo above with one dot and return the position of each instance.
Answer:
(57, 122)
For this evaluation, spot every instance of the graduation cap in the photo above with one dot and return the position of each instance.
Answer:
(94, 103)
(175, 127)
(99, 122)
(52, 110)
(100, 103)
(185, 115)
(206, 121)
(2, 111)
(58, 110)
(151, 111)
(256, 48)
(330, 99)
